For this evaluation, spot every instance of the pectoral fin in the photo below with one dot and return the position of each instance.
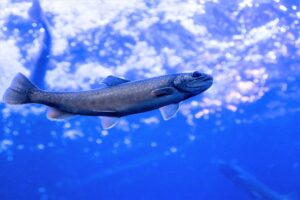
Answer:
(109, 122)
(58, 115)
(162, 91)
(113, 80)
(169, 111)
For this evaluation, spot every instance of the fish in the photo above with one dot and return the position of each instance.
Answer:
(250, 183)
(118, 98)
(41, 62)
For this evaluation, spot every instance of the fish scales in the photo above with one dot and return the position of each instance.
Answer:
(120, 97)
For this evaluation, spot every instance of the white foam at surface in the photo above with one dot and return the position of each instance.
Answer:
(171, 56)
(9, 63)
(144, 60)
(245, 86)
(33, 49)
(75, 18)
(182, 12)
(245, 3)
(19, 9)
(60, 45)
(262, 33)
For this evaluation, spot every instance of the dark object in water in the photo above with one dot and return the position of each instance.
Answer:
(251, 184)
(39, 69)
(118, 98)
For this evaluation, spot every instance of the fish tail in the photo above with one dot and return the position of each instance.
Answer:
(35, 11)
(19, 91)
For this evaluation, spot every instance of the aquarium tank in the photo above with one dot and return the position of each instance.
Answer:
(239, 140)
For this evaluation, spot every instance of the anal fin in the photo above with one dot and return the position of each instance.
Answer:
(58, 115)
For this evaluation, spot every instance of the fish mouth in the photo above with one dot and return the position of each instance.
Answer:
(200, 84)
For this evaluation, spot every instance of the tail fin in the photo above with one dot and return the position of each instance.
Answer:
(36, 12)
(19, 90)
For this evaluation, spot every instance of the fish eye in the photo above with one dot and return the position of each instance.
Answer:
(196, 74)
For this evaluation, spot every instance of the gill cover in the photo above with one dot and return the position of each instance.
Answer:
(181, 80)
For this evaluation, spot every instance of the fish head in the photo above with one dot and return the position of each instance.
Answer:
(194, 83)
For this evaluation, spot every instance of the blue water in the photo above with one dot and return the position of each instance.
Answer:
(76, 159)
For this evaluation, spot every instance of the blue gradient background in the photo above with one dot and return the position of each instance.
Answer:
(164, 160)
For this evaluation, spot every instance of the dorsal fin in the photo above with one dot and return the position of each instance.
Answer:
(58, 115)
(169, 111)
(113, 80)
(109, 122)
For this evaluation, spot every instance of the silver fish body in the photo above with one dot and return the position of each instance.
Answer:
(118, 98)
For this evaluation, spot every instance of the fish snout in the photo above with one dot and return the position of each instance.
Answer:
(209, 79)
